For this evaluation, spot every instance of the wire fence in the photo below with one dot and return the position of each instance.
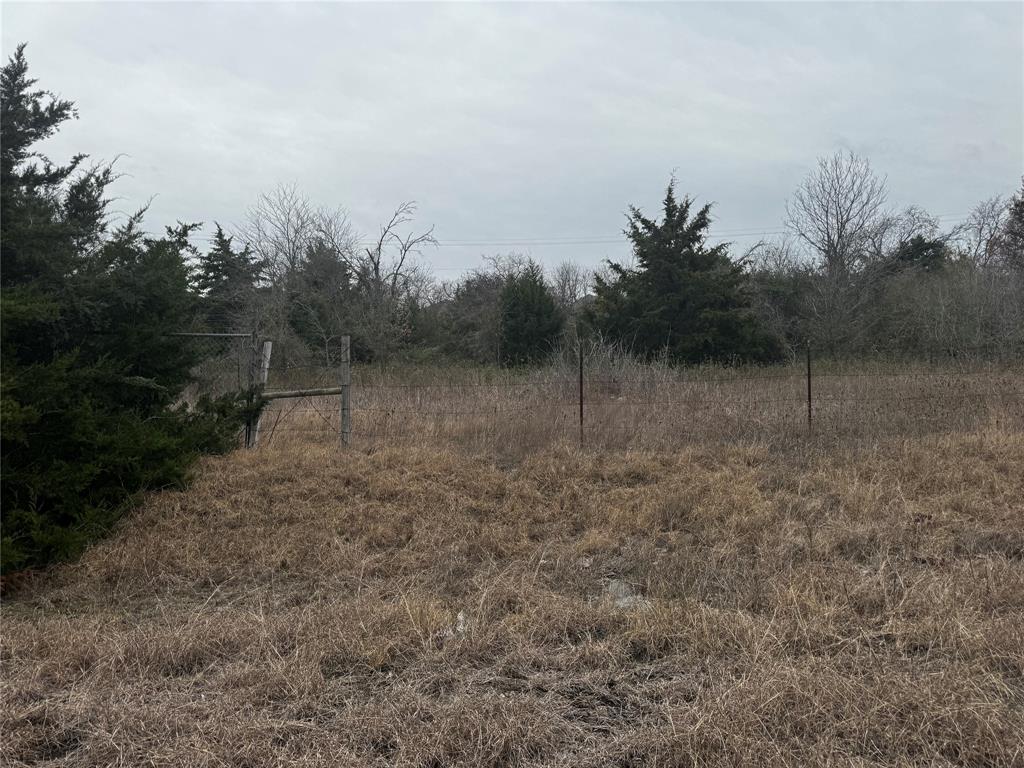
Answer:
(648, 407)
(595, 402)
(312, 415)
(223, 363)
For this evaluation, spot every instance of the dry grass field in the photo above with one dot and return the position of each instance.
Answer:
(494, 596)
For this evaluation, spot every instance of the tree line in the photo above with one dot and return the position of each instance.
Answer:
(91, 378)
(852, 277)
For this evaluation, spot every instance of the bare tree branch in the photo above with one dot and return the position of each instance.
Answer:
(835, 210)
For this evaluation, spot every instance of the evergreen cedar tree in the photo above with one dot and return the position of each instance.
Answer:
(321, 303)
(226, 279)
(1012, 239)
(683, 299)
(928, 255)
(88, 371)
(531, 320)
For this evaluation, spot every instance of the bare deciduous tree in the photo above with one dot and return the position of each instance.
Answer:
(277, 229)
(894, 230)
(283, 229)
(283, 225)
(835, 210)
(775, 257)
(570, 283)
(387, 268)
(389, 281)
(333, 231)
(977, 238)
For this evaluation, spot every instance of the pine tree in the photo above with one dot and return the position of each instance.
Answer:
(531, 321)
(683, 298)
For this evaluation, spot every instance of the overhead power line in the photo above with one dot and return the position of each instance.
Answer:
(603, 239)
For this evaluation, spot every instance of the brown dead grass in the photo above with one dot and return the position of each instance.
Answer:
(414, 606)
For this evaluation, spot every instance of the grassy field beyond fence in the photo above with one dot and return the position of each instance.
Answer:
(627, 405)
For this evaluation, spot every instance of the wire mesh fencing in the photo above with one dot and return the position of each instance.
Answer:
(223, 363)
(650, 407)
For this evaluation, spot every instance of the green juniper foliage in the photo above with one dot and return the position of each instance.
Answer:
(226, 279)
(322, 303)
(928, 255)
(89, 374)
(531, 321)
(683, 298)
(1011, 241)
(470, 320)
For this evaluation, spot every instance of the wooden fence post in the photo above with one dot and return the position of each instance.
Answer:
(346, 389)
(261, 382)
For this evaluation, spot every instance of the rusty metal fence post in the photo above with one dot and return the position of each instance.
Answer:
(809, 402)
(250, 390)
(580, 347)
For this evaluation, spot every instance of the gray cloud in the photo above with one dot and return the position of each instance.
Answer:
(530, 120)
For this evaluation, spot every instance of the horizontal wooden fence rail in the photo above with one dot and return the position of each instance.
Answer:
(285, 393)
(213, 335)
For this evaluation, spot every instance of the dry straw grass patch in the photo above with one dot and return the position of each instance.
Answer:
(416, 606)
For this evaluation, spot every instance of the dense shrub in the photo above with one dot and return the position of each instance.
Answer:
(89, 372)
(531, 320)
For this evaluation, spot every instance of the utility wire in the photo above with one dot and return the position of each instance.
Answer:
(571, 239)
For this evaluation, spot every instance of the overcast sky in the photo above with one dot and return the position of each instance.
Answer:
(516, 122)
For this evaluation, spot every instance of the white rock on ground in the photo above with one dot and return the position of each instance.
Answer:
(622, 593)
